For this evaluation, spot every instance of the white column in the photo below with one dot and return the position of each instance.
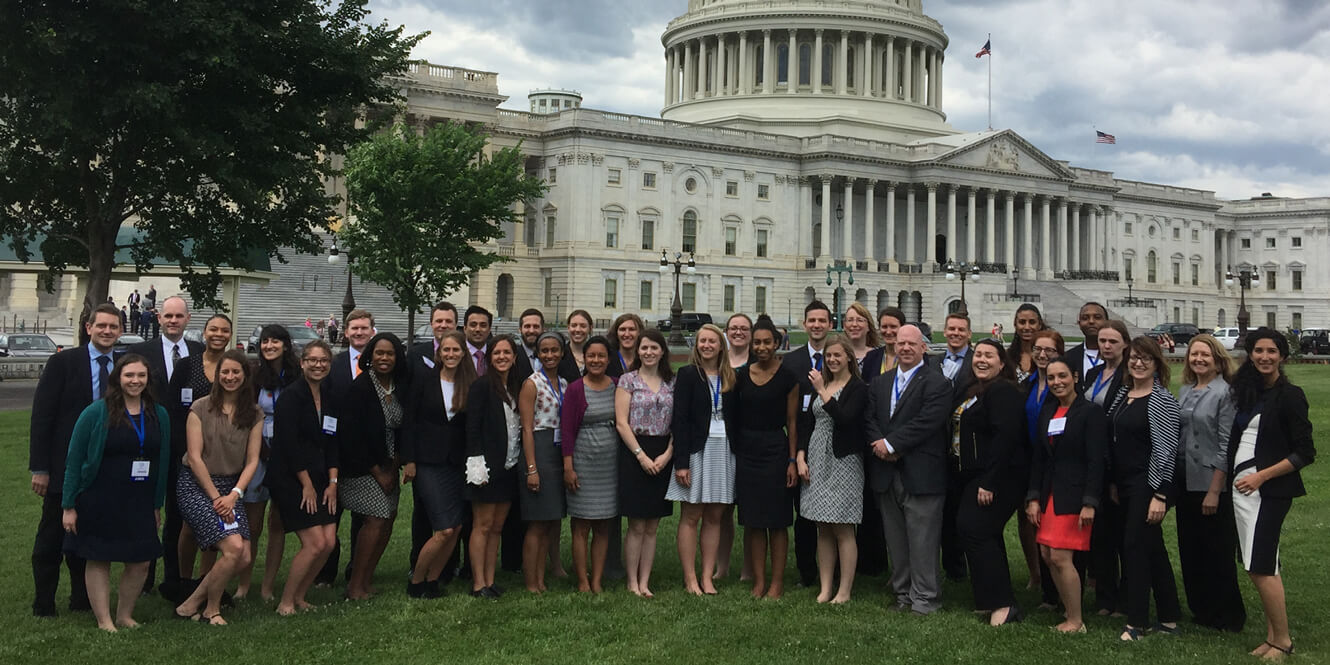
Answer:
(869, 57)
(1094, 240)
(742, 81)
(930, 244)
(1045, 252)
(891, 222)
(1027, 252)
(909, 225)
(1065, 236)
(843, 73)
(702, 68)
(1075, 237)
(940, 57)
(723, 79)
(870, 228)
(847, 225)
(688, 74)
(792, 65)
(930, 61)
(990, 229)
(669, 76)
(908, 86)
(1223, 250)
(806, 204)
(951, 222)
(971, 224)
(891, 68)
(816, 78)
(1009, 229)
(825, 254)
(768, 71)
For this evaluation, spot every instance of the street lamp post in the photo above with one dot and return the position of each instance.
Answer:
(1016, 282)
(965, 271)
(348, 300)
(1246, 280)
(835, 295)
(676, 308)
(1130, 300)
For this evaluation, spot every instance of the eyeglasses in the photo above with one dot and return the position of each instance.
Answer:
(317, 361)
(1140, 360)
(739, 329)
(1043, 351)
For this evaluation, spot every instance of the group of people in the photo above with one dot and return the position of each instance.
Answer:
(868, 447)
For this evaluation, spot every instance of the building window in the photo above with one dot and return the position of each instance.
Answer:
(1126, 228)
(1269, 243)
(1151, 267)
(550, 221)
(1195, 235)
(529, 231)
(690, 185)
(1244, 243)
(805, 66)
(1177, 314)
(759, 65)
(828, 61)
(1127, 267)
(690, 231)
(1177, 234)
(1195, 274)
(1177, 272)
(731, 240)
(761, 300)
(689, 297)
(783, 63)
(616, 176)
(1297, 242)
(762, 243)
(1270, 320)
(549, 290)
(1270, 280)
(612, 231)
(649, 180)
(553, 176)
(849, 68)
(728, 297)
(648, 234)
(1297, 280)
(644, 298)
(611, 293)
(1196, 316)
(1296, 323)
(731, 188)
(764, 192)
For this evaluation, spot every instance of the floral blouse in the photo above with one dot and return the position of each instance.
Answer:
(548, 402)
(649, 412)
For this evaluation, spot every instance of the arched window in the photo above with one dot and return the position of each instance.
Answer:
(805, 64)
(817, 239)
(1151, 266)
(690, 231)
(828, 63)
(783, 63)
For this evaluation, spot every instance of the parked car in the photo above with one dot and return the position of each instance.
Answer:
(1176, 333)
(1228, 337)
(691, 322)
(127, 341)
(300, 336)
(1315, 341)
(924, 328)
(26, 345)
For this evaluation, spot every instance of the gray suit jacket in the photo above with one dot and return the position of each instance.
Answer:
(1207, 419)
(917, 431)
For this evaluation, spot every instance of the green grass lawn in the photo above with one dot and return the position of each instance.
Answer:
(564, 627)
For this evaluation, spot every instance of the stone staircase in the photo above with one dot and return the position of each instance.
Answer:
(1058, 303)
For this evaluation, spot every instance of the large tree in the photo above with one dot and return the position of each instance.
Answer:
(423, 202)
(204, 124)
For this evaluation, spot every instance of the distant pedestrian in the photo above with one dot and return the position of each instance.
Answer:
(152, 297)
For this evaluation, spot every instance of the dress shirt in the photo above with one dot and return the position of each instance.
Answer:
(478, 361)
(167, 345)
(951, 363)
(535, 360)
(813, 360)
(355, 361)
(1089, 360)
(93, 355)
(902, 383)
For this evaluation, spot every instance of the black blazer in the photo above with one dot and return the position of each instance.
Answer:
(568, 365)
(178, 410)
(872, 367)
(299, 441)
(993, 436)
(522, 363)
(798, 361)
(1075, 358)
(360, 427)
(1071, 469)
(340, 376)
(1284, 433)
(964, 376)
(486, 426)
(691, 421)
(1085, 386)
(847, 416)
(429, 437)
(421, 359)
(157, 362)
(63, 391)
(918, 431)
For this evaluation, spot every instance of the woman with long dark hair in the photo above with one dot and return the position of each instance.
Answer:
(622, 338)
(224, 434)
(643, 410)
(368, 433)
(276, 368)
(1271, 442)
(989, 449)
(579, 331)
(115, 485)
(493, 447)
(1048, 346)
(1028, 321)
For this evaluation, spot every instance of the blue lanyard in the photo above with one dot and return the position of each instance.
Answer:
(622, 363)
(140, 428)
(1099, 384)
(556, 386)
(715, 396)
(896, 390)
(1094, 362)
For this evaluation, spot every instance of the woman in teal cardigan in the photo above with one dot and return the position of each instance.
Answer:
(115, 484)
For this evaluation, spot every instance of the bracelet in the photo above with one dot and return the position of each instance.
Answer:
(1161, 497)
(792, 460)
(532, 472)
(530, 467)
(332, 481)
(239, 491)
(637, 451)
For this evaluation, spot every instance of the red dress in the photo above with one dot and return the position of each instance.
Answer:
(1062, 532)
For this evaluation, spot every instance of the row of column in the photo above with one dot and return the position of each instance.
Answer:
(1072, 235)
(863, 64)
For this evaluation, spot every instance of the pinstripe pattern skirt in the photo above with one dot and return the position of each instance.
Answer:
(595, 459)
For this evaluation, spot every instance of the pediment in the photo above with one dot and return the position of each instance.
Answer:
(1006, 152)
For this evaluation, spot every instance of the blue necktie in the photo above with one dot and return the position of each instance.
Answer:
(103, 377)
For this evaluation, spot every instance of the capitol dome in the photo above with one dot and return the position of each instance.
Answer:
(878, 64)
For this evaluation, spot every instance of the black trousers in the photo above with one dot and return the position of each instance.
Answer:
(980, 534)
(1106, 556)
(953, 552)
(1206, 546)
(1145, 561)
(47, 555)
(869, 538)
(513, 536)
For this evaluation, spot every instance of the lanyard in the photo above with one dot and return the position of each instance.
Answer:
(715, 395)
(1094, 360)
(140, 428)
(1099, 384)
(883, 368)
(622, 363)
(556, 385)
(896, 390)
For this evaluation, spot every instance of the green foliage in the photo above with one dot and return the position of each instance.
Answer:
(422, 204)
(205, 124)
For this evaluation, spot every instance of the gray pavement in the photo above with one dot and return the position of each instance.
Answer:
(16, 394)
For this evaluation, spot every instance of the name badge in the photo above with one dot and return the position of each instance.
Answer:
(186, 396)
(329, 425)
(1057, 426)
(558, 436)
(138, 470)
(808, 401)
(228, 526)
(971, 402)
(267, 430)
(428, 363)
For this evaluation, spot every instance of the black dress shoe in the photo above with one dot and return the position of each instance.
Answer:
(487, 592)
(415, 590)
(433, 589)
(44, 611)
(498, 590)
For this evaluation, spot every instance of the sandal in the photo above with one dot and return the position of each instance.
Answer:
(212, 620)
(1166, 630)
(1130, 634)
(1286, 652)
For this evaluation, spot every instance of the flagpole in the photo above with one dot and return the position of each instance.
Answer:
(990, 83)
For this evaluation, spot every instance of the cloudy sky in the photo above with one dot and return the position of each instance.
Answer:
(1227, 96)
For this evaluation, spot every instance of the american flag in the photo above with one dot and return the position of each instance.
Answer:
(986, 50)
(1100, 137)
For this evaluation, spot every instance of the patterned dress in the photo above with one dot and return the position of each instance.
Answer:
(548, 503)
(363, 494)
(594, 459)
(649, 415)
(835, 490)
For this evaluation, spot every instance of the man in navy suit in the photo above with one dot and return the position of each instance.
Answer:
(817, 322)
(908, 409)
(954, 364)
(72, 380)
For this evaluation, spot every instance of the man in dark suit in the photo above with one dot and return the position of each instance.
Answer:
(1085, 356)
(954, 365)
(476, 326)
(530, 326)
(442, 318)
(72, 380)
(801, 360)
(345, 368)
(906, 420)
(163, 354)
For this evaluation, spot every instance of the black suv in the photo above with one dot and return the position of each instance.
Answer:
(1315, 342)
(691, 322)
(1179, 333)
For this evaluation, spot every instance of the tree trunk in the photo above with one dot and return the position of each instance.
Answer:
(101, 258)
(410, 327)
